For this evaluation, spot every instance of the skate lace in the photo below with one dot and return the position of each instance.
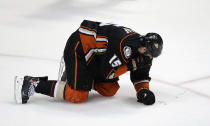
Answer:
(31, 89)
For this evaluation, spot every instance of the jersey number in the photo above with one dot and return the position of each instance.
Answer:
(115, 61)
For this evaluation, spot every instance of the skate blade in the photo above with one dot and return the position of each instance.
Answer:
(18, 82)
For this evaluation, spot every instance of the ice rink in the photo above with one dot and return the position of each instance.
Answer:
(33, 35)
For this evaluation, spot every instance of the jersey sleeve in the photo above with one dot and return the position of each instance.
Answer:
(140, 77)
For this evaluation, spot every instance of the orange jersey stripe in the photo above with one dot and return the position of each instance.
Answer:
(51, 90)
(121, 70)
(91, 58)
(100, 36)
(75, 76)
(109, 73)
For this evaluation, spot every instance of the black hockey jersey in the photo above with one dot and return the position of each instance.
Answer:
(99, 52)
(108, 49)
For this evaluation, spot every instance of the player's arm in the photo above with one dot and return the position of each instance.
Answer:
(139, 75)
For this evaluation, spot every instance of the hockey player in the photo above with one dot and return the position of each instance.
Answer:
(96, 54)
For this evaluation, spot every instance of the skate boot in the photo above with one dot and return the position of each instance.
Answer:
(25, 87)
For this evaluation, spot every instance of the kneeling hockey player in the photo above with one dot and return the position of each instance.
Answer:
(96, 54)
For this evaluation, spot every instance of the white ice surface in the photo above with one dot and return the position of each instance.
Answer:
(33, 35)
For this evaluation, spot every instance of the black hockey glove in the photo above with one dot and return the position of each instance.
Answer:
(146, 96)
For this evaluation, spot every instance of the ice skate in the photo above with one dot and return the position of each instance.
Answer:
(24, 88)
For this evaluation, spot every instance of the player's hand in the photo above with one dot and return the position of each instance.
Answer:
(145, 96)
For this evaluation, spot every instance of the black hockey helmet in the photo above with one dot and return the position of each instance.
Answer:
(153, 43)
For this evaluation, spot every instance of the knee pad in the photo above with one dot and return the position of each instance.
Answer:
(107, 89)
(75, 96)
